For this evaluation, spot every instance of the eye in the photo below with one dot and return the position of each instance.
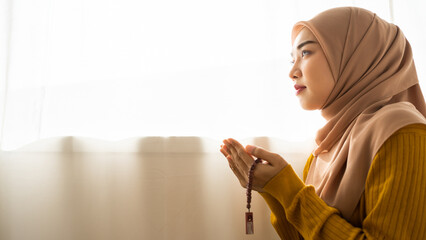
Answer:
(305, 52)
(292, 62)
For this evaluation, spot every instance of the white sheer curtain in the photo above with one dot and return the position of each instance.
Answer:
(92, 93)
(118, 69)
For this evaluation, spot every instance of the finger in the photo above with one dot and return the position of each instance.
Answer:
(230, 149)
(238, 161)
(224, 152)
(241, 168)
(259, 152)
(241, 151)
(241, 177)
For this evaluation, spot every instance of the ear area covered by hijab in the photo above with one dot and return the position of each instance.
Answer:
(375, 76)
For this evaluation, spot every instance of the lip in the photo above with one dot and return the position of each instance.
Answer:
(299, 88)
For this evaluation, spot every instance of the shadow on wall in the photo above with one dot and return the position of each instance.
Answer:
(145, 188)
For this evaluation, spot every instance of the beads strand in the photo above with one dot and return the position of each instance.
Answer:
(250, 182)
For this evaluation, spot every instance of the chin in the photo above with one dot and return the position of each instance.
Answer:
(308, 107)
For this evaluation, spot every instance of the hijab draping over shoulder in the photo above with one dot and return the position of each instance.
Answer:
(376, 93)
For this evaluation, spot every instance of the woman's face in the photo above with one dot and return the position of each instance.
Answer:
(311, 74)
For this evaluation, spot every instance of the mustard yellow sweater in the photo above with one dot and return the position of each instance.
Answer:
(393, 205)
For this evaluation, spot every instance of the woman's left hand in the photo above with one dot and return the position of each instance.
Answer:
(240, 160)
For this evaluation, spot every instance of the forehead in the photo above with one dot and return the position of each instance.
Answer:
(304, 35)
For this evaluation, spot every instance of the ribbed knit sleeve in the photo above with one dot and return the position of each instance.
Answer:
(394, 201)
(278, 219)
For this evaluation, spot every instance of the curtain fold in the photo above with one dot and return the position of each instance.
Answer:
(140, 188)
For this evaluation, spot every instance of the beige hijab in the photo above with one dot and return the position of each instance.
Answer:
(376, 93)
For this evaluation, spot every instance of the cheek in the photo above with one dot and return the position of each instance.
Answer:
(327, 85)
(321, 83)
(324, 78)
(312, 69)
(313, 75)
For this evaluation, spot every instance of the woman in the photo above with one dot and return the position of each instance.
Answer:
(367, 176)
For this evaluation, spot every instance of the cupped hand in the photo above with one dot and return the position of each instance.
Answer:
(240, 160)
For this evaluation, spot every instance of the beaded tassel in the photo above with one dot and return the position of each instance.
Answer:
(249, 215)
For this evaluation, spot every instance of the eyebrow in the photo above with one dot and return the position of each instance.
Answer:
(303, 44)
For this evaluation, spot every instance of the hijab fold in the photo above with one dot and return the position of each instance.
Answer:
(376, 93)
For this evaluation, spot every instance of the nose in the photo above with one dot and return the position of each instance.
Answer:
(295, 73)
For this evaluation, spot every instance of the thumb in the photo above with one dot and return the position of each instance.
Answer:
(259, 152)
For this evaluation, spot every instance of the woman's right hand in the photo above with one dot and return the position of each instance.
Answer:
(240, 160)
